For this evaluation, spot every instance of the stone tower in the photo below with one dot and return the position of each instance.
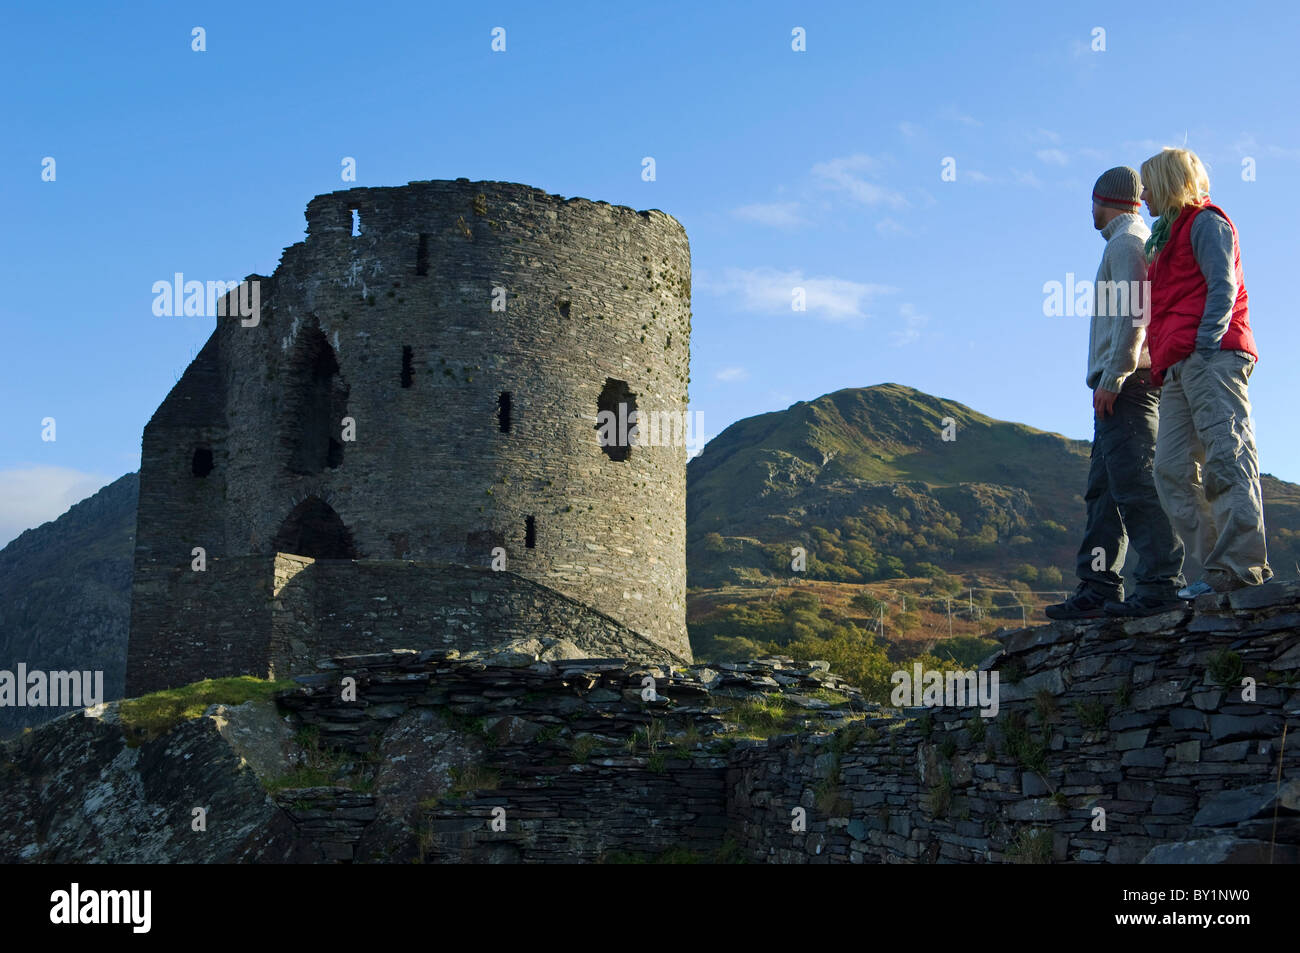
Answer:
(401, 450)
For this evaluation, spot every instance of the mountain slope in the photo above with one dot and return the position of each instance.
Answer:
(864, 479)
(65, 595)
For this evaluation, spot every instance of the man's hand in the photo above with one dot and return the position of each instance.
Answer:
(1103, 401)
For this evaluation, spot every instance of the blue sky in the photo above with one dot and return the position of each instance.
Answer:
(819, 169)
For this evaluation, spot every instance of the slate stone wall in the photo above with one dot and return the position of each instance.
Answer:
(443, 756)
(1144, 721)
(197, 625)
(1115, 742)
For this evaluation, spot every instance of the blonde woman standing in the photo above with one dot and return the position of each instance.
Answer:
(1203, 352)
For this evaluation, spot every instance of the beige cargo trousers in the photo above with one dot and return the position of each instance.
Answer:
(1206, 468)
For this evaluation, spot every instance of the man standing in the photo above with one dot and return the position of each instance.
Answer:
(1121, 497)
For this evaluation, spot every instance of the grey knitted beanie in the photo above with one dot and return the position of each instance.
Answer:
(1120, 187)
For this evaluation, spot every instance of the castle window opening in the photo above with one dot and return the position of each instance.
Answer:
(422, 255)
(615, 399)
(503, 411)
(201, 463)
(356, 223)
(530, 532)
(316, 403)
(407, 375)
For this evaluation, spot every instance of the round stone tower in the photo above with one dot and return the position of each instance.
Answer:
(424, 381)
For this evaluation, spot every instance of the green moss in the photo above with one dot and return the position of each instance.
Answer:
(1091, 714)
(1225, 668)
(549, 733)
(828, 798)
(1045, 705)
(471, 778)
(941, 794)
(305, 776)
(830, 697)
(153, 715)
(1124, 695)
(1031, 847)
(1022, 745)
(761, 717)
(325, 767)
(1013, 671)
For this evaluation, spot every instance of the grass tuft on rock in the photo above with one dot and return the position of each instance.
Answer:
(151, 716)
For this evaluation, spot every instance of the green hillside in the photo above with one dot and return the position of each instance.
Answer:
(863, 480)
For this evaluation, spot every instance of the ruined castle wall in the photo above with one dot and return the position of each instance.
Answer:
(324, 608)
(391, 604)
(184, 510)
(278, 616)
(592, 293)
(192, 625)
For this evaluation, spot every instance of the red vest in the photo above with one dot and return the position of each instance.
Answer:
(1177, 298)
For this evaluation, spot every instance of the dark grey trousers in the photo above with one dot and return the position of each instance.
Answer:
(1123, 505)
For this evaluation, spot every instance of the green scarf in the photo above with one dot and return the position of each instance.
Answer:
(1159, 234)
(1160, 230)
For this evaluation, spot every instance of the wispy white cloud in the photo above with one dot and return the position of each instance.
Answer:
(729, 374)
(911, 323)
(1247, 145)
(908, 129)
(781, 398)
(846, 174)
(33, 494)
(1144, 148)
(776, 214)
(1026, 178)
(891, 226)
(771, 291)
(952, 114)
(1053, 156)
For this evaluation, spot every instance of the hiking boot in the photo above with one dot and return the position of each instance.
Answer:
(1085, 603)
(1224, 581)
(1195, 589)
(1143, 604)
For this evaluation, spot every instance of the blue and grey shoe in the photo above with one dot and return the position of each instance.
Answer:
(1198, 588)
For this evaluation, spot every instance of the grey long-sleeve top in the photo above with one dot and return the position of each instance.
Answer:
(1212, 244)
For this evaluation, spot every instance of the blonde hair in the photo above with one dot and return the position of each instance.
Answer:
(1175, 178)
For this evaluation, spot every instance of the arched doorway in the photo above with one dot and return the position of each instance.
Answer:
(313, 529)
